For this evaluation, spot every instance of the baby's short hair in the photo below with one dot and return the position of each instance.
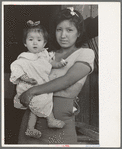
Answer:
(36, 28)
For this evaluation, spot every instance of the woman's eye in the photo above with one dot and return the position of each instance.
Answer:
(69, 30)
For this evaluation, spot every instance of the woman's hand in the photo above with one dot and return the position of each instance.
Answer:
(26, 97)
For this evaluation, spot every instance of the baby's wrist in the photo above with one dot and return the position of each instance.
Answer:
(62, 61)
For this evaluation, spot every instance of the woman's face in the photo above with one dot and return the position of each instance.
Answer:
(66, 34)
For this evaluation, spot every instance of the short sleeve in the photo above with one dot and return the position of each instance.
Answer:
(16, 73)
(87, 57)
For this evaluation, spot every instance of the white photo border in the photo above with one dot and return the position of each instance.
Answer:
(109, 72)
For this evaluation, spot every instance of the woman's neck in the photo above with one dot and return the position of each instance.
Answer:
(64, 53)
(68, 50)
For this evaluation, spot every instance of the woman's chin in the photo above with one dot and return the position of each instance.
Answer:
(64, 46)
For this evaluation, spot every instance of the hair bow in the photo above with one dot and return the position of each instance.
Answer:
(72, 11)
(30, 22)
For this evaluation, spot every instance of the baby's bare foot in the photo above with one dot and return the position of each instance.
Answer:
(31, 132)
(54, 123)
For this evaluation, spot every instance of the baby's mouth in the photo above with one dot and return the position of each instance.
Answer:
(35, 47)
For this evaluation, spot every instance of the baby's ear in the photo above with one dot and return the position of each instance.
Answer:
(25, 45)
(45, 43)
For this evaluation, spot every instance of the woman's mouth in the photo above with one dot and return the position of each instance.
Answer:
(63, 41)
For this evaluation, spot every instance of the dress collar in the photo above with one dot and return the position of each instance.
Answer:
(33, 56)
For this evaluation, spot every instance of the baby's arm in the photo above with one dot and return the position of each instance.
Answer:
(18, 74)
(60, 64)
(26, 79)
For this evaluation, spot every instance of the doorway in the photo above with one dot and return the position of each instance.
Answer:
(15, 17)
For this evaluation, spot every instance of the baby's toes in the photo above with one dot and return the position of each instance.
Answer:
(60, 124)
(33, 133)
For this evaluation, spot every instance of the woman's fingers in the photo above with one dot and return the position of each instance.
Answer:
(25, 98)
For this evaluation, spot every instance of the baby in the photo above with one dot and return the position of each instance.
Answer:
(33, 68)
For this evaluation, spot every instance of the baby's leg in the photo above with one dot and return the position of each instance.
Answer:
(31, 131)
(54, 123)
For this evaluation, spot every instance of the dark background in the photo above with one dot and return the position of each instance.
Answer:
(15, 19)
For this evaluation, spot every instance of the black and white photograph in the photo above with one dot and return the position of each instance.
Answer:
(52, 51)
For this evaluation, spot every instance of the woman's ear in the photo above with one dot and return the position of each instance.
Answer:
(78, 34)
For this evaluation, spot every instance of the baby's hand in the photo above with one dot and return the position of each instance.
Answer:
(26, 79)
(32, 81)
(62, 63)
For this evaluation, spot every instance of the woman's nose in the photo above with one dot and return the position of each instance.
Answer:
(63, 35)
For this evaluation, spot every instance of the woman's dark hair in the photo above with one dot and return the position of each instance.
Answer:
(78, 21)
(36, 28)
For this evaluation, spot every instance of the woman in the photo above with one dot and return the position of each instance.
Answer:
(65, 83)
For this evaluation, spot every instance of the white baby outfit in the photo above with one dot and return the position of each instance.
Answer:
(38, 67)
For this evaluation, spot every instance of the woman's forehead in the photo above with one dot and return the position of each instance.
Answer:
(66, 23)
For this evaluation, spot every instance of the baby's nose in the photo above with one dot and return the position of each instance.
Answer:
(34, 42)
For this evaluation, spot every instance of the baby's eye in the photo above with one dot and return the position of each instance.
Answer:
(30, 39)
(58, 29)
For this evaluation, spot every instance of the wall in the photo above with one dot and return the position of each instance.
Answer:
(85, 10)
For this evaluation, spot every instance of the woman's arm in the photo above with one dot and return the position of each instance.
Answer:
(74, 74)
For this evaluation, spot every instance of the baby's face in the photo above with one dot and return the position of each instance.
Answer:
(35, 42)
